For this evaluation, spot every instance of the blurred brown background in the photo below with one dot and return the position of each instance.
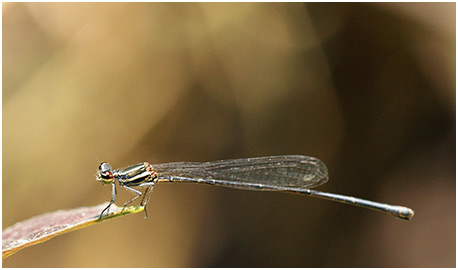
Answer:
(367, 88)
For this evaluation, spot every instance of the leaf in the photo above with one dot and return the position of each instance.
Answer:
(46, 226)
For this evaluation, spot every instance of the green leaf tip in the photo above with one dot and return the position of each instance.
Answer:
(41, 228)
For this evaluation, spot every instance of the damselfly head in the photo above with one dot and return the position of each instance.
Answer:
(104, 173)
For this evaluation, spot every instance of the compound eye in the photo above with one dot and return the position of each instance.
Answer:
(104, 167)
(106, 175)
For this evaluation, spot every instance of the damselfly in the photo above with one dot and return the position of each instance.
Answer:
(295, 174)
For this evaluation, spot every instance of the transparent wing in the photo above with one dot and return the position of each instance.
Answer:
(292, 171)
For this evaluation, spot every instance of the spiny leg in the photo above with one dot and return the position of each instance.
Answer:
(145, 199)
(136, 192)
(113, 197)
